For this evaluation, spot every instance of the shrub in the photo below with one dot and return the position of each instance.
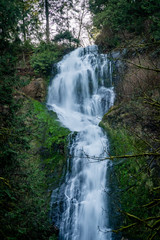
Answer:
(44, 56)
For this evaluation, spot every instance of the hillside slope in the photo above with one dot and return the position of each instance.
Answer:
(33, 155)
(133, 127)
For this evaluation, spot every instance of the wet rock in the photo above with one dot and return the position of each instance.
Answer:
(36, 89)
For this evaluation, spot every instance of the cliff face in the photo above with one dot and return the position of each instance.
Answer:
(133, 126)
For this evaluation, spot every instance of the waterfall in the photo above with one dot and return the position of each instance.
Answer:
(80, 94)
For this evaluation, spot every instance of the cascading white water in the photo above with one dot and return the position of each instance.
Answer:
(80, 94)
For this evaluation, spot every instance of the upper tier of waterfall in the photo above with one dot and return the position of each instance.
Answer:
(82, 87)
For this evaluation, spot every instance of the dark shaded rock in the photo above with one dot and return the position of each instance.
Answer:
(36, 89)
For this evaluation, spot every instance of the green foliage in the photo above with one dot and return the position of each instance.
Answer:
(25, 176)
(23, 188)
(33, 162)
(66, 36)
(135, 181)
(139, 17)
(25, 179)
(10, 14)
(54, 142)
(44, 56)
(54, 237)
(18, 19)
(24, 195)
(97, 6)
(137, 178)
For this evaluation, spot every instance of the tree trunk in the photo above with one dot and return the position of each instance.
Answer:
(80, 25)
(47, 21)
(24, 30)
(23, 23)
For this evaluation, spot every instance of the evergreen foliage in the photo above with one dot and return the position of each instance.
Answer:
(136, 185)
(118, 17)
(24, 177)
(66, 36)
(45, 55)
(32, 161)
(133, 127)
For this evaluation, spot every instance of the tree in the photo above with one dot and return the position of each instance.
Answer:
(80, 12)
(66, 37)
(138, 17)
(29, 23)
(59, 11)
(10, 16)
(47, 20)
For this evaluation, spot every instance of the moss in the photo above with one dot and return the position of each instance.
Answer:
(39, 167)
(52, 140)
(33, 149)
(134, 176)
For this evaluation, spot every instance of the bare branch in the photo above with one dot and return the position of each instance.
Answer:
(138, 65)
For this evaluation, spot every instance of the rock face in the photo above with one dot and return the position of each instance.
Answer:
(36, 89)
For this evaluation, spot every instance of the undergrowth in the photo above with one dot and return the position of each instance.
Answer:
(38, 144)
(136, 180)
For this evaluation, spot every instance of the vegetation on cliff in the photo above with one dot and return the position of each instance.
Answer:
(121, 21)
(38, 143)
(133, 128)
(29, 134)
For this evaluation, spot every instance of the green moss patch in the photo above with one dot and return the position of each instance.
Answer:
(53, 140)
(136, 181)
